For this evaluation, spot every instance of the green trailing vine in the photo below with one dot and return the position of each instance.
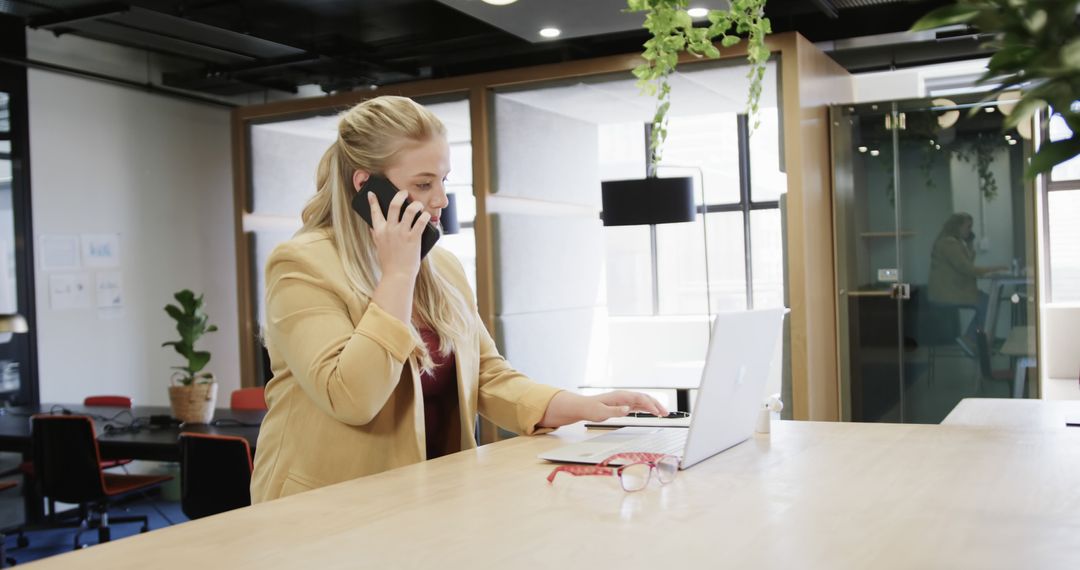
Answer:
(673, 32)
(981, 149)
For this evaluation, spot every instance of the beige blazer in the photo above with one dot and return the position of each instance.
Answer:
(953, 272)
(345, 400)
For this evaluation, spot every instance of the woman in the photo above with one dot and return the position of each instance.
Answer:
(380, 359)
(953, 273)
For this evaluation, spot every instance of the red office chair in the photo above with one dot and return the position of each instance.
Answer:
(67, 463)
(4, 486)
(109, 402)
(215, 474)
(248, 399)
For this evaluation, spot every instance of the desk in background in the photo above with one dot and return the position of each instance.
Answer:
(1019, 414)
(151, 443)
(810, 495)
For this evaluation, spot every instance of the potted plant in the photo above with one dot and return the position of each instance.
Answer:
(193, 392)
(1037, 52)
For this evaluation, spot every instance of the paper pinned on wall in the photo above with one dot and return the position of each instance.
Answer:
(101, 250)
(69, 291)
(59, 252)
(110, 289)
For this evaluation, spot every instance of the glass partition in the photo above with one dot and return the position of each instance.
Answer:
(283, 158)
(935, 244)
(646, 311)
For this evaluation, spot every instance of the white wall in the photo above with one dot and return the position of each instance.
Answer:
(156, 170)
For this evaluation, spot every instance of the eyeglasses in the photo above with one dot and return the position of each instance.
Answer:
(633, 474)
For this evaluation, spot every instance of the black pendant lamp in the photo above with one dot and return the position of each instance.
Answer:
(648, 201)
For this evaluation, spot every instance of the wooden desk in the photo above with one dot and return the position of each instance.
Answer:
(810, 495)
(153, 443)
(1014, 414)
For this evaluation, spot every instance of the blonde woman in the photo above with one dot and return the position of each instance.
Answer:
(380, 359)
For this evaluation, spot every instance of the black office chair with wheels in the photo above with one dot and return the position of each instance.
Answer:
(215, 474)
(4, 558)
(67, 463)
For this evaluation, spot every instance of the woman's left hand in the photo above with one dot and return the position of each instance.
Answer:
(568, 407)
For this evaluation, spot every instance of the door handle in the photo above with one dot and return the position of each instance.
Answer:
(900, 291)
(878, 293)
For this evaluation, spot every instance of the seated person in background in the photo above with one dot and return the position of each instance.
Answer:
(380, 359)
(953, 273)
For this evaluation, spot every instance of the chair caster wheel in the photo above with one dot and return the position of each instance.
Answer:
(144, 529)
(22, 542)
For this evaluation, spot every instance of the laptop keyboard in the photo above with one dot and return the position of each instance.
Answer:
(669, 441)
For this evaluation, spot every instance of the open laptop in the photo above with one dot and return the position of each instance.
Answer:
(730, 396)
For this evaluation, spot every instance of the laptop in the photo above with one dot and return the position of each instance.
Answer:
(729, 398)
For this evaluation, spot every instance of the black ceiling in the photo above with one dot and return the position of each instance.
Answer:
(228, 47)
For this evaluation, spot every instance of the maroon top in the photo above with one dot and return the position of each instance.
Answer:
(440, 396)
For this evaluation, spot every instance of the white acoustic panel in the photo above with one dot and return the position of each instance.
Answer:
(545, 263)
(545, 156)
(283, 165)
(567, 349)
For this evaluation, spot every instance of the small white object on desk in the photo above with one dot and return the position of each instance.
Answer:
(769, 406)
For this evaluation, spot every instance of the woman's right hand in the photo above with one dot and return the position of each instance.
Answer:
(397, 243)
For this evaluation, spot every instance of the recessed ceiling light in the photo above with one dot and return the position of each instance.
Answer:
(698, 12)
(500, 2)
(550, 32)
(875, 152)
(862, 149)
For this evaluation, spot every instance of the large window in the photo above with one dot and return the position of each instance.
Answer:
(738, 182)
(1063, 232)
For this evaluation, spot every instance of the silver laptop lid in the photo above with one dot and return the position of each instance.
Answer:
(733, 381)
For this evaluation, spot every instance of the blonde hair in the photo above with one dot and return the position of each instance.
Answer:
(370, 135)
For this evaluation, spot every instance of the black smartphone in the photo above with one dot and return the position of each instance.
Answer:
(385, 191)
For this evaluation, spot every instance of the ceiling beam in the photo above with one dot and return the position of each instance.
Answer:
(827, 7)
(88, 12)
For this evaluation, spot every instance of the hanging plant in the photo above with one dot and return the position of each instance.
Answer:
(1037, 47)
(673, 32)
(981, 149)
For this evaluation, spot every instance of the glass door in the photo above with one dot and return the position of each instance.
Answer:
(934, 229)
(869, 234)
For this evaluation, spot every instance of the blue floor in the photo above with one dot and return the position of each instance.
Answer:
(50, 542)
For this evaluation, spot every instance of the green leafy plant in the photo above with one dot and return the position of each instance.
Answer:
(673, 32)
(191, 323)
(1038, 52)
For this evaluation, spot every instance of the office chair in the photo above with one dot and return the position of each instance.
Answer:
(938, 328)
(4, 559)
(67, 462)
(215, 474)
(248, 399)
(109, 402)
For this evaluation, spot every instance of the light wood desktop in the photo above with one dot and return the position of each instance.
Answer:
(810, 495)
(1015, 414)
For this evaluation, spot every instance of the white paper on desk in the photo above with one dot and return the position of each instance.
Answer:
(101, 250)
(110, 289)
(59, 252)
(69, 291)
